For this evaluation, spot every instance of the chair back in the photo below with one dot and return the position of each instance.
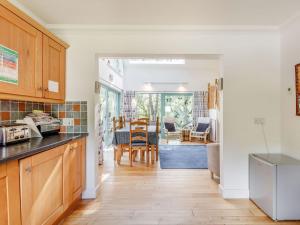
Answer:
(124, 121)
(114, 124)
(145, 119)
(120, 122)
(169, 119)
(157, 125)
(203, 120)
(138, 133)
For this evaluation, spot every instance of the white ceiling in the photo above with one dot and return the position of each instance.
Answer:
(165, 12)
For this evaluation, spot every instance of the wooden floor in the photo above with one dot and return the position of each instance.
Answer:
(151, 196)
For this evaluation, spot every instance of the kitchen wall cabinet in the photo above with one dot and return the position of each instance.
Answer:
(20, 36)
(9, 194)
(42, 187)
(41, 61)
(54, 56)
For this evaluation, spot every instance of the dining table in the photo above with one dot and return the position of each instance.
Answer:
(121, 138)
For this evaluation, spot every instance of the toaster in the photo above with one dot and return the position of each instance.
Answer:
(12, 133)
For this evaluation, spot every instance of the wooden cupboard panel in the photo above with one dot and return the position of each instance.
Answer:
(20, 36)
(3, 202)
(77, 168)
(67, 175)
(74, 171)
(53, 68)
(31, 21)
(42, 187)
(83, 161)
(9, 194)
(13, 184)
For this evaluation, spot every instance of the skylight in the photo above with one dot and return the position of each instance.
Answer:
(158, 61)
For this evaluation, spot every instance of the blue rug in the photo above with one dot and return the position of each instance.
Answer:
(183, 156)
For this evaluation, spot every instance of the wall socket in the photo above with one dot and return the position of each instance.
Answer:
(68, 122)
(259, 121)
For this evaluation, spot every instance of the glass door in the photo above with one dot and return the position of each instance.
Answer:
(110, 107)
(178, 106)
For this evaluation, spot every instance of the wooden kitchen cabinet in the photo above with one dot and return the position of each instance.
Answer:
(9, 194)
(54, 56)
(41, 58)
(41, 183)
(74, 177)
(19, 36)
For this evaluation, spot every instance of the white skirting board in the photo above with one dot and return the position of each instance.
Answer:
(233, 193)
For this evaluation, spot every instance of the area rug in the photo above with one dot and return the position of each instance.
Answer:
(183, 156)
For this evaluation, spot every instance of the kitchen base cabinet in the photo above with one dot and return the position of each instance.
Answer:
(9, 194)
(42, 187)
(74, 163)
(51, 183)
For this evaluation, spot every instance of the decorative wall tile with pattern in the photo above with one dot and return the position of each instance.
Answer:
(13, 110)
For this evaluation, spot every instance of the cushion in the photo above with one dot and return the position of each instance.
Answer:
(201, 127)
(170, 127)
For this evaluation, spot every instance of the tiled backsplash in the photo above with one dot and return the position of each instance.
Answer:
(77, 110)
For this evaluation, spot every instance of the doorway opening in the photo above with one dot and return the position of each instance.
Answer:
(181, 90)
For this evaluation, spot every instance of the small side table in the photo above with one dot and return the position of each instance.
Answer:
(185, 134)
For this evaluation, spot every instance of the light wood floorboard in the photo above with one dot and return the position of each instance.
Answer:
(150, 196)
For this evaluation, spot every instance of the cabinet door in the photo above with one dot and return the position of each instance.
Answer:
(9, 194)
(83, 165)
(42, 187)
(77, 168)
(21, 37)
(3, 196)
(72, 173)
(53, 69)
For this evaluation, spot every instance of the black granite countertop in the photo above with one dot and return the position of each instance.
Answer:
(35, 145)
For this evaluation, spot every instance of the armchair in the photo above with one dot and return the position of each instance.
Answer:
(201, 130)
(170, 129)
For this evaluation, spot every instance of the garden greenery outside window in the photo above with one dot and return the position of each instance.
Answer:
(176, 105)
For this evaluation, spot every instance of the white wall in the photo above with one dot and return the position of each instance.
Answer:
(105, 72)
(290, 56)
(251, 85)
(197, 73)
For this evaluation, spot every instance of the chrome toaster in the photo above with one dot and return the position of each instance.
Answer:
(11, 133)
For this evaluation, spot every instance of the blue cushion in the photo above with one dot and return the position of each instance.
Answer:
(202, 127)
(170, 127)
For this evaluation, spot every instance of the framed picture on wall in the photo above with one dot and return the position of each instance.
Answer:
(297, 82)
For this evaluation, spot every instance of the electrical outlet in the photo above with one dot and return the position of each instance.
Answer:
(68, 122)
(259, 121)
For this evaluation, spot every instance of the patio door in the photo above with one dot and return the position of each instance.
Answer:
(178, 106)
(110, 107)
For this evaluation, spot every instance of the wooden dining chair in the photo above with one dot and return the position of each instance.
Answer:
(124, 121)
(114, 124)
(138, 140)
(145, 119)
(120, 122)
(157, 138)
(156, 146)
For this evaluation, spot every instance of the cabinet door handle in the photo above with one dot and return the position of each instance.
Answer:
(46, 89)
(28, 169)
(40, 88)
